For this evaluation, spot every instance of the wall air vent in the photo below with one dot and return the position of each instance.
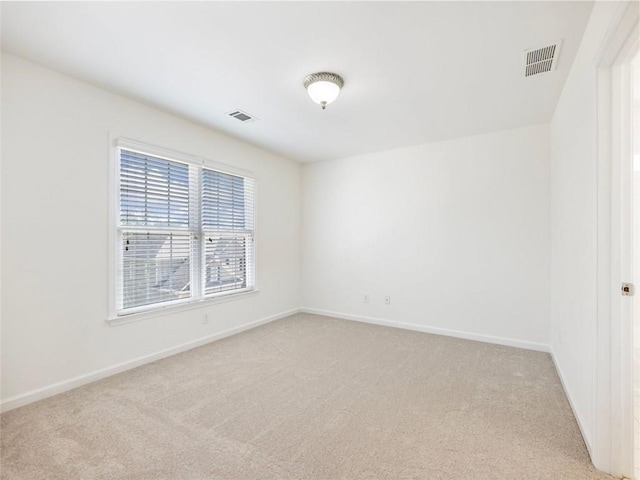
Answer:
(541, 60)
(242, 116)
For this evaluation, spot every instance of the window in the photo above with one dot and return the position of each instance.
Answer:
(185, 232)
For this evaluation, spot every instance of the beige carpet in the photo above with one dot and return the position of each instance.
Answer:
(312, 398)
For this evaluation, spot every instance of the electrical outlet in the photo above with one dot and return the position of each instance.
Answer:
(366, 299)
(205, 319)
(387, 300)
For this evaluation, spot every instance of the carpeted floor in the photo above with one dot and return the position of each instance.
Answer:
(310, 397)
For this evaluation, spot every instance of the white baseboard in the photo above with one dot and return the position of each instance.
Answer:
(438, 331)
(573, 408)
(75, 382)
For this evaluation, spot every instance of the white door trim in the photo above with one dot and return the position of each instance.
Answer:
(613, 404)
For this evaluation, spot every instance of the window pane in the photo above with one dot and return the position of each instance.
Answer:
(155, 268)
(227, 201)
(225, 265)
(154, 192)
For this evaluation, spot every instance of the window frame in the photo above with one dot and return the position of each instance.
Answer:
(198, 298)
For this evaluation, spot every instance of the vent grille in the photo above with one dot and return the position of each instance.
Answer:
(541, 60)
(242, 116)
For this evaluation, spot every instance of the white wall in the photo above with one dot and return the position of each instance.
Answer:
(55, 155)
(456, 232)
(574, 225)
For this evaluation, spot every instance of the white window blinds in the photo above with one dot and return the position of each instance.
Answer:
(227, 225)
(154, 192)
(184, 232)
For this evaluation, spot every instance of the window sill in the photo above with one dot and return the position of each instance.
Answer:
(173, 309)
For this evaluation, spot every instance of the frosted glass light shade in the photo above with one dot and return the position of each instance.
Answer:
(323, 87)
(323, 93)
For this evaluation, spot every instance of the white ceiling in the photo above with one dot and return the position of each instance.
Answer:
(414, 72)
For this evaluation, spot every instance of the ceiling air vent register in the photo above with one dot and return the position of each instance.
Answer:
(541, 60)
(242, 116)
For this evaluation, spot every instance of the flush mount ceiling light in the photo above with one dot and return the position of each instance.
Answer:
(323, 87)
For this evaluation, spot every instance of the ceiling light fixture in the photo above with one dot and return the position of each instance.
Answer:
(323, 87)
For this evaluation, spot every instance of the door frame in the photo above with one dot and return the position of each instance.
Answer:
(613, 404)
